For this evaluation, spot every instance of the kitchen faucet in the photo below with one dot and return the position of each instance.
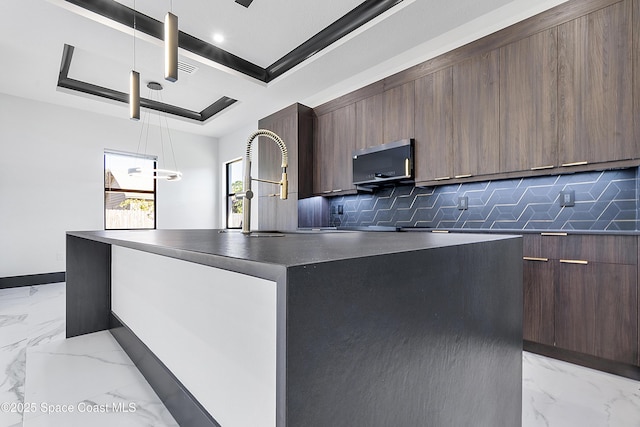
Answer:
(247, 194)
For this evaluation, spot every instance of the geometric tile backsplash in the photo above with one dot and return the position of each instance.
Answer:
(606, 200)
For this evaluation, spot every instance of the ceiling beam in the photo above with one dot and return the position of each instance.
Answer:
(65, 82)
(245, 3)
(360, 15)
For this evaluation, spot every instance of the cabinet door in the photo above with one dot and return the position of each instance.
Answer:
(528, 96)
(434, 127)
(538, 296)
(323, 155)
(344, 141)
(369, 122)
(270, 157)
(596, 310)
(636, 74)
(476, 115)
(276, 214)
(333, 147)
(595, 76)
(399, 113)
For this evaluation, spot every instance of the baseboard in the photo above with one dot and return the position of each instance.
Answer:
(31, 280)
(609, 366)
(184, 407)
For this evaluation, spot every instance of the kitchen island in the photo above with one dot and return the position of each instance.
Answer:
(310, 329)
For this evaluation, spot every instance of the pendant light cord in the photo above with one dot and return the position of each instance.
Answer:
(134, 34)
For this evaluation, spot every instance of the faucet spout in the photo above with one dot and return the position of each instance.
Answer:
(247, 194)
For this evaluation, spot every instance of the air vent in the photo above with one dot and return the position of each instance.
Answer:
(187, 68)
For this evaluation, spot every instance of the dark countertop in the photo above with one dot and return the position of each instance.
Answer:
(498, 231)
(268, 254)
(510, 231)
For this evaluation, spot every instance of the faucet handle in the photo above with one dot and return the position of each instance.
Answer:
(245, 195)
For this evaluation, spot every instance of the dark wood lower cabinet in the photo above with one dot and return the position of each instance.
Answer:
(538, 296)
(596, 310)
(581, 299)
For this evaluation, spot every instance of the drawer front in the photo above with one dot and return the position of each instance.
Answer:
(582, 247)
(598, 248)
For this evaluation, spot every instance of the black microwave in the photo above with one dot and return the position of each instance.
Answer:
(383, 164)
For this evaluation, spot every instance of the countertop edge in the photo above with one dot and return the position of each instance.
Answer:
(263, 270)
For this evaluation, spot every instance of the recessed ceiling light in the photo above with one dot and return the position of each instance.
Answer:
(218, 38)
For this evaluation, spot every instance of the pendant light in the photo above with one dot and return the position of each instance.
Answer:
(171, 46)
(134, 95)
(134, 78)
(157, 173)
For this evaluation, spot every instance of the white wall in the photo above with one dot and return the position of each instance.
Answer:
(51, 180)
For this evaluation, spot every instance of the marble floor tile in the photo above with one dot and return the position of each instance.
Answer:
(560, 394)
(92, 374)
(93, 377)
(28, 316)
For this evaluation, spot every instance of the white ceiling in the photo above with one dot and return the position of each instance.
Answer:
(34, 32)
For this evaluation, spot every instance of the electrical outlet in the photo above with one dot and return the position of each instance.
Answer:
(463, 203)
(567, 198)
(340, 209)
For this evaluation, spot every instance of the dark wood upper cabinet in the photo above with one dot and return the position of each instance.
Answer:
(399, 113)
(369, 121)
(344, 137)
(294, 125)
(385, 117)
(333, 147)
(595, 100)
(636, 69)
(476, 115)
(434, 126)
(528, 96)
(270, 157)
(323, 154)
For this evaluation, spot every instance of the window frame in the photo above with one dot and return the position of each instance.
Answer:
(127, 190)
(228, 193)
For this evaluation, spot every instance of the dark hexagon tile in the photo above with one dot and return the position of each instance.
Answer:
(623, 226)
(476, 186)
(577, 225)
(403, 190)
(538, 225)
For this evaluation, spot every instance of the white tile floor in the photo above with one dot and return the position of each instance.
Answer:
(92, 375)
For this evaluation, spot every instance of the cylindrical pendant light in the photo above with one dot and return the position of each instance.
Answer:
(134, 78)
(171, 47)
(134, 95)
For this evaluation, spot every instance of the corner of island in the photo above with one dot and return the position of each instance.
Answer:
(310, 329)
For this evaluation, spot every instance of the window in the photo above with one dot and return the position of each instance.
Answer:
(129, 201)
(234, 185)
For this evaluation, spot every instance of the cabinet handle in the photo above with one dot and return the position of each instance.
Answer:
(336, 191)
(538, 168)
(439, 231)
(467, 175)
(575, 164)
(574, 261)
(441, 178)
(326, 192)
(530, 258)
(553, 234)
